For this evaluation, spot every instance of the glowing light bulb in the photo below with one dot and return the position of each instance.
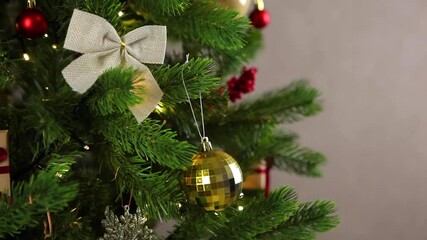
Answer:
(26, 57)
(121, 14)
(160, 109)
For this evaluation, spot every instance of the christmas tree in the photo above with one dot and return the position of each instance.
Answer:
(96, 123)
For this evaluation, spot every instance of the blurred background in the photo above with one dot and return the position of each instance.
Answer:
(369, 60)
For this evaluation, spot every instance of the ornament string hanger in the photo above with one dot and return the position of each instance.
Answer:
(206, 144)
(31, 3)
(259, 4)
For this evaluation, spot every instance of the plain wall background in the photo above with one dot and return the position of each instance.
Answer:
(369, 59)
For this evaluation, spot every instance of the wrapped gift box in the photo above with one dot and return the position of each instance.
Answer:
(4, 163)
(260, 179)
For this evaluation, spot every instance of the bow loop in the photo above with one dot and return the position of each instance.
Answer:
(141, 41)
(103, 49)
(89, 33)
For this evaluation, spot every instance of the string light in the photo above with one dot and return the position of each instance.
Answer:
(26, 57)
(240, 208)
(46, 35)
(121, 14)
(54, 46)
(159, 108)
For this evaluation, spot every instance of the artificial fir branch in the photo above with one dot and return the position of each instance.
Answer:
(115, 91)
(231, 61)
(290, 104)
(206, 24)
(197, 74)
(299, 160)
(260, 216)
(47, 191)
(310, 218)
(161, 7)
(197, 224)
(148, 140)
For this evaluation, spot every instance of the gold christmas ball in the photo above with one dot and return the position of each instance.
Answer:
(242, 6)
(214, 180)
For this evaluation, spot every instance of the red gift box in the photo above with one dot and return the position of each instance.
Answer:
(260, 179)
(4, 163)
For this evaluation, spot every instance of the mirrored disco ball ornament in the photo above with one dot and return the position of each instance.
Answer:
(214, 180)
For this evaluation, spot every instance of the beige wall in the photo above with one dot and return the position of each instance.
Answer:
(369, 58)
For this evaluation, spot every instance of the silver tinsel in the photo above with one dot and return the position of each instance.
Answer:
(127, 227)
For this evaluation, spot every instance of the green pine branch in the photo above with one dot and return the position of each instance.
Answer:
(248, 143)
(260, 216)
(203, 22)
(196, 223)
(4, 72)
(299, 160)
(289, 104)
(311, 218)
(161, 7)
(147, 140)
(251, 142)
(48, 194)
(198, 77)
(231, 61)
(156, 192)
(41, 116)
(115, 91)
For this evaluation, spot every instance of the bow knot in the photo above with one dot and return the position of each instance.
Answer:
(103, 48)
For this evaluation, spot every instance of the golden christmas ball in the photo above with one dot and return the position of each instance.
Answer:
(214, 180)
(242, 6)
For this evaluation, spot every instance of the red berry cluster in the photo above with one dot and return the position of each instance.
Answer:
(244, 84)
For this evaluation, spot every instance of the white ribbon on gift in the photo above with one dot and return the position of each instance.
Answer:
(103, 49)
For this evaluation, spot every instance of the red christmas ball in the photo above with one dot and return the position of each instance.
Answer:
(260, 19)
(3, 154)
(31, 23)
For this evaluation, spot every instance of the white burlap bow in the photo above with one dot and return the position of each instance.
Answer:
(103, 49)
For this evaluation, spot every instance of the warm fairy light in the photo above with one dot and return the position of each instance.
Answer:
(240, 208)
(54, 46)
(160, 109)
(46, 35)
(86, 147)
(58, 174)
(121, 14)
(26, 57)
